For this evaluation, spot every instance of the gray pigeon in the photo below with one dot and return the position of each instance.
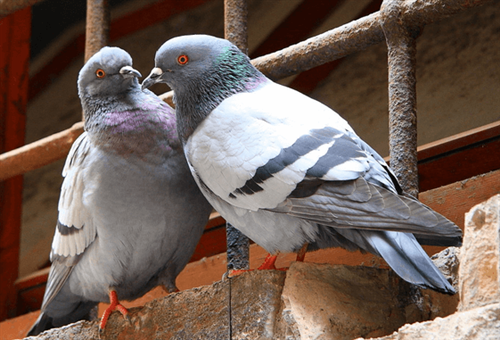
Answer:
(130, 213)
(287, 170)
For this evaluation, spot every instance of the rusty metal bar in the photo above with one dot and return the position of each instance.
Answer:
(10, 6)
(39, 153)
(235, 30)
(401, 52)
(353, 37)
(97, 27)
(235, 23)
(331, 45)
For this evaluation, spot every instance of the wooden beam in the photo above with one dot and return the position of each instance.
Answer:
(15, 31)
(10, 6)
(459, 157)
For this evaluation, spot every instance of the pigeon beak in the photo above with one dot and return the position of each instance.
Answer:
(129, 72)
(154, 77)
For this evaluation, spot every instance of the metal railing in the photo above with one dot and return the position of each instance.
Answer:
(329, 46)
(398, 23)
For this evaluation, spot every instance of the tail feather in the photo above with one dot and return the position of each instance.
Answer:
(41, 324)
(403, 254)
(63, 314)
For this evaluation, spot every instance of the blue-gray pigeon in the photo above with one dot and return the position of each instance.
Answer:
(130, 213)
(287, 170)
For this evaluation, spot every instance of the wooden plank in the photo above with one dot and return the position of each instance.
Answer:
(10, 6)
(459, 157)
(213, 240)
(15, 32)
(455, 199)
(461, 140)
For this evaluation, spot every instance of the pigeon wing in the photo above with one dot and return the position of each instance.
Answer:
(352, 187)
(75, 230)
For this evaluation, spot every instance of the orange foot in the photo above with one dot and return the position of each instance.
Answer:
(268, 264)
(114, 304)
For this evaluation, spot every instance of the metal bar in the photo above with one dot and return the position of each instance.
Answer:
(340, 42)
(401, 52)
(298, 25)
(353, 37)
(97, 27)
(235, 23)
(39, 153)
(10, 6)
(235, 30)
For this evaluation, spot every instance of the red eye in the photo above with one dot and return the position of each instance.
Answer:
(182, 59)
(100, 73)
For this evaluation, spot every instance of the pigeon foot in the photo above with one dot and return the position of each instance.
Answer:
(268, 264)
(114, 304)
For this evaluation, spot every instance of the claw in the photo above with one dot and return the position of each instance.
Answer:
(114, 304)
(268, 264)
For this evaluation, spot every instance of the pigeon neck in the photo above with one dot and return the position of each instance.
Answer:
(231, 73)
(138, 124)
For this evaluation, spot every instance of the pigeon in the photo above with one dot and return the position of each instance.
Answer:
(130, 212)
(287, 170)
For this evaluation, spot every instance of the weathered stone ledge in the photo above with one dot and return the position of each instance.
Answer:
(319, 301)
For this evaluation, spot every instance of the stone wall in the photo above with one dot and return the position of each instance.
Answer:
(318, 301)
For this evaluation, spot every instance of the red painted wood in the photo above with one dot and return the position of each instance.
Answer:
(467, 139)
(120, 27)
(459, 157)
(460, 165)
(15, 31)
(307, 81)
(30, 292)
(213, 240)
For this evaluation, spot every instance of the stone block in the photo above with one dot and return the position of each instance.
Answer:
(343, 302)
(482, 323)
(431, 304)
(480, 256)
(199, 313)
(315, 301)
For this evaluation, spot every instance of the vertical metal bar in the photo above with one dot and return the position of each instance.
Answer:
(401, 49)
(235, 30)
(97, 27)
(235, 23)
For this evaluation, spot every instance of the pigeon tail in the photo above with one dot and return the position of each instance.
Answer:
(41, 324)
(82, 311)
(404, 255)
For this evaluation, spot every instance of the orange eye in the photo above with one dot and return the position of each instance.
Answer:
(100, 73)
(182, 59)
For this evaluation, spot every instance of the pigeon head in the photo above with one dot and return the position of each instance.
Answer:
(184, 59)
(108, 72)
(202, 71)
